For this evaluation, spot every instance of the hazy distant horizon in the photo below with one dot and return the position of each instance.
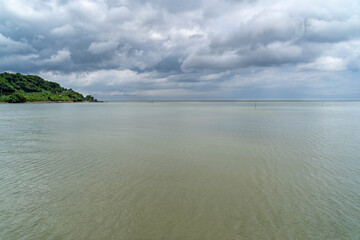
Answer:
(235, 100)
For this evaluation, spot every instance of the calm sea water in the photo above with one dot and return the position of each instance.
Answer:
(173, 170)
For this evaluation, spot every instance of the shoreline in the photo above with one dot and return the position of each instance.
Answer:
(185, 101)
(39, 102)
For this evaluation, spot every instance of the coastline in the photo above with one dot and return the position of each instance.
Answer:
(39, 102)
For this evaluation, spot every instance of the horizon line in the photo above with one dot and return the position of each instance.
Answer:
(228, 100)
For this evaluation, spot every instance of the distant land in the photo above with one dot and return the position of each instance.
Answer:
(18, 88)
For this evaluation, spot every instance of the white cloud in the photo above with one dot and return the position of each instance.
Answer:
(63, 30)
(325, 64)
(100, 47)
(59, 58)
(118, 14)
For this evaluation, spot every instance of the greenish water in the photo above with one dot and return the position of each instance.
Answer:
(180, 170)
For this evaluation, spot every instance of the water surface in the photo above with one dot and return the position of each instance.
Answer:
(180, 170)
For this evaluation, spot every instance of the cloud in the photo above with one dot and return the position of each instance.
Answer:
(197, 47)
(264, 28)
(275, 53)
(100, 47)
(325, 64)
(119, 14)
(10, 46)
(63, 30)
(332, 31)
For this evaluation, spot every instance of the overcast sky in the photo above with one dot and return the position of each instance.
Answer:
(188, 49)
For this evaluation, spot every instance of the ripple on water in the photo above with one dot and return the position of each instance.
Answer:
(180, 171)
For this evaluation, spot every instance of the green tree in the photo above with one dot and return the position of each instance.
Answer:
(5, 87)
(90, 98)
(34, 88)
(16, 98)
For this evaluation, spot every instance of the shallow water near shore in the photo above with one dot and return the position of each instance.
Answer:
(180, 170)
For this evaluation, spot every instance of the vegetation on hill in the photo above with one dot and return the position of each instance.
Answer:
(18, 88)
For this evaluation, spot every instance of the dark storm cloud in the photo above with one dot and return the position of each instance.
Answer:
(148, 47)
(169, 64)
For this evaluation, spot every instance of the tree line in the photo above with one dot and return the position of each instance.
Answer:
(18, 88)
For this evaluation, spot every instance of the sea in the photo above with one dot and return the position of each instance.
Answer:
(180, 170)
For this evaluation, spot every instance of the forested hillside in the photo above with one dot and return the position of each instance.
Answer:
(18, 88)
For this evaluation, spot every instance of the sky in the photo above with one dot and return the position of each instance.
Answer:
(188, 49)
